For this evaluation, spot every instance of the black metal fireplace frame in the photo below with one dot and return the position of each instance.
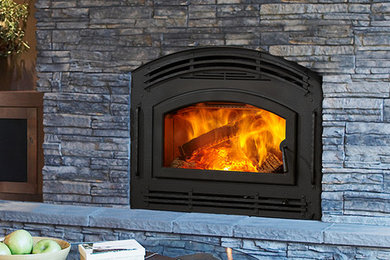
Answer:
(229, 75)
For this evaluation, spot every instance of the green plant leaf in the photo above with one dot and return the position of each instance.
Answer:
(13, 19)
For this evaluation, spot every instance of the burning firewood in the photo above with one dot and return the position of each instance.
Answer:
(209, 139)
(224, 136)
(271, 164)
(177, 163)
(214, 137)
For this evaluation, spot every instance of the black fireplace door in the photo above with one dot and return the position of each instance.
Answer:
(220, 136)
(226, 130)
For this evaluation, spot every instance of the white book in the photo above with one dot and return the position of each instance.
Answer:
(120, 249)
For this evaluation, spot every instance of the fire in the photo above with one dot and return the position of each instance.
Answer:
(227, 137)
(229, 253)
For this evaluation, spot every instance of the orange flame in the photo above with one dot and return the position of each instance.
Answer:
(229, 253)
(254, 134)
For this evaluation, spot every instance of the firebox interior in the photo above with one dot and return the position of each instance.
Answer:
(224, 136)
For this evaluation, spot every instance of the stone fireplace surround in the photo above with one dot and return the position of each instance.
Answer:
(86, 49)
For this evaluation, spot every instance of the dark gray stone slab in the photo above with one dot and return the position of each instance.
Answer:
(363, 220)
(206, 224)
(281, 229)
(145, 220)
(368, 128)
(356, 234)
(29, 212)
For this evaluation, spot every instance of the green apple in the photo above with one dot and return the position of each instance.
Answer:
(20, 242)
(4, 250)
(46, 246)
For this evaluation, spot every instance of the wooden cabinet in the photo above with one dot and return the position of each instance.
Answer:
(21, 145)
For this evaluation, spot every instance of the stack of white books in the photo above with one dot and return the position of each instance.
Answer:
(120, 249)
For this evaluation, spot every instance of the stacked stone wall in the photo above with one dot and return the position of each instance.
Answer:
(87, 49)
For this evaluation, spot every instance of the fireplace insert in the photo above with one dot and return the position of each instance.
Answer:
(226, 130)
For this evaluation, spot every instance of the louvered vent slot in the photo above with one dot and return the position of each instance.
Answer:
(237, 59)
(229, 65)
(221, 75)
(225, 61)
(251, 202)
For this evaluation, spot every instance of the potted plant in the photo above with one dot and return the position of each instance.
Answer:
(13, 19)
(17, 68)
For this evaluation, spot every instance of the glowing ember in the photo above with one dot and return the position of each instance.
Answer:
(223, 158)
(228, 137)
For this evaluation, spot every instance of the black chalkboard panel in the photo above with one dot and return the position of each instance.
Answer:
(13, 150)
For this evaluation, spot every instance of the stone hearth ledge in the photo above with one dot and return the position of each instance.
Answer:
(300, 231)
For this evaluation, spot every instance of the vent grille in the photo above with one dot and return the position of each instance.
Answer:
(252, 203)
(226, 67)
(223, 75)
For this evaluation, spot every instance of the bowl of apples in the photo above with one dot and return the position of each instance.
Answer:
(20, 245)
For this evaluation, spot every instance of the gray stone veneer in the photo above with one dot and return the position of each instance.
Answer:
(262, 238)
(88, 47)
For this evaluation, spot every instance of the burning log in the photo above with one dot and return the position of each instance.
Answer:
(177, 163)
(209, 139)
(271, 164)
(214, 137)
